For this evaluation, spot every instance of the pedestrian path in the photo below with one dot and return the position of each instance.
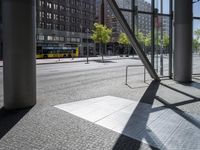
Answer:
(143, 122)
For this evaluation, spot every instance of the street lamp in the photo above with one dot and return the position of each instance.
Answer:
(88, 30)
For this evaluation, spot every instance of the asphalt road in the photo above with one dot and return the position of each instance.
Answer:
(46, 127)
(74, 78)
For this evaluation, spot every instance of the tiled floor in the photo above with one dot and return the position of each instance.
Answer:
(136, 120)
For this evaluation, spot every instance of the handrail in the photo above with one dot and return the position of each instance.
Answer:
(126, 80)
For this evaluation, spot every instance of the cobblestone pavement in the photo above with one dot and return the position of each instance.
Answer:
(46, 127)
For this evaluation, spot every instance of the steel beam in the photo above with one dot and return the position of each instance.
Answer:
(135, 44)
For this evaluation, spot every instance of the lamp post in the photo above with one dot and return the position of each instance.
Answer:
(87, 46)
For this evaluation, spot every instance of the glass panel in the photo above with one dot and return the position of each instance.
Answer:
(196, 46)
(128, 17)
(158, 53)
(162, 45)
(143, 5)
(125, 4)
(162, 6)
(196, 11)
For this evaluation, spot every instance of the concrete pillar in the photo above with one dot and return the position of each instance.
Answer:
(183, 41)
(19, 18)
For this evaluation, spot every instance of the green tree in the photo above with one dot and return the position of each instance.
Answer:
(140, 37)
(196, 41)
(102, 35)
(165, 40)
(123, 39)
(197, 34)
(196, 45)
(147, 40)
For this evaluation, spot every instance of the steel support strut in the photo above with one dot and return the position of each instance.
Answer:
(135, 44)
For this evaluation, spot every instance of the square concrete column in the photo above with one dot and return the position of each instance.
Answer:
(19, 28)
(183, 41)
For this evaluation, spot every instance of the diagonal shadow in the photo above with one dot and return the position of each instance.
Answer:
(186, 116)
(9, 119)
(179, 91)
(138, 122)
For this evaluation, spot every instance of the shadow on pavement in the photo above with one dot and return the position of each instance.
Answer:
(9, 119)
(105, 61)
(137, 127)
(138, 120)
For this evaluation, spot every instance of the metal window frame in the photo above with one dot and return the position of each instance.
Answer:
(135, 44)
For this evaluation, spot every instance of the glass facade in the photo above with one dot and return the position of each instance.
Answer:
(151, 21)
(196, 38)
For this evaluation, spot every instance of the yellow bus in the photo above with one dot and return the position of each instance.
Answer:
(57, 52)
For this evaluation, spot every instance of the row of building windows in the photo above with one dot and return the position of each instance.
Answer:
(55, 6)
(57, 17)
(58, 38)
(61, 27)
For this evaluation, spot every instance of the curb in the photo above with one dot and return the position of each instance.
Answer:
(46, 63)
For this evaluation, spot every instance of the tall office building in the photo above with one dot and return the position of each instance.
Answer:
(65, 23)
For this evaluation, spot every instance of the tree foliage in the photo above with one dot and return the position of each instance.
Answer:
(165, 40)
(196, 40)
(123, 39)
(197, 34)
(147, 40)
(101, 34)
(140, 37)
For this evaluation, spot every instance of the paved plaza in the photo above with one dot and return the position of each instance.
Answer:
(88, 106)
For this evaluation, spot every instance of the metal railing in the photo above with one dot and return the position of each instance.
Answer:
(126, 81)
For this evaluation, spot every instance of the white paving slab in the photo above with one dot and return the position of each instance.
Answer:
(97, 108)
(136, 120)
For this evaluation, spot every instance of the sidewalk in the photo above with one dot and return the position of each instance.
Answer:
(70, 60)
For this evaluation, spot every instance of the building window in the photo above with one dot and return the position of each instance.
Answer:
(41, 25)
(73, 10)
(73, 20)
(49, 5)
(55, 6)
(62, 38)
(41, 3)
(67, 19)
(62, 27)
(55, 17)
(62, 18)
(49, 26)
(56, 38)
(49, 16)
(40, 37)
(67, 9)
(49, 38)
(78, 40)
(62, 8)
(73, 39)
(41, 14)
(67, 28)
(67, 39)
(56, 26)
